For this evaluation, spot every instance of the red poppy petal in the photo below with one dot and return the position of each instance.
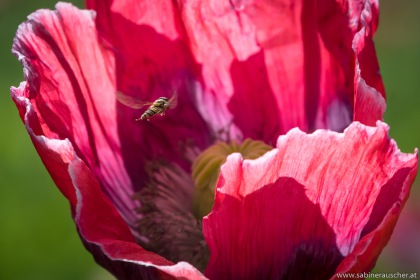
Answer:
(325, 191)
(291, 62)
(151, 61)
(369, 99)
(383, 218)
(222, 40)
(71, 85)
(145, 36)
(99, 224)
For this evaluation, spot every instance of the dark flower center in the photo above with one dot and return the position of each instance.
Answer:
(166, 221)
(173, 205)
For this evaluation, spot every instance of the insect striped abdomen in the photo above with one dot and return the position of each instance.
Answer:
(158, 107)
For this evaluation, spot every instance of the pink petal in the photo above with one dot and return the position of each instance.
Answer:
(369, 100)
(291, 62)
(154, 54)
(143, 36)
(69, 94)
(71, 86)
(383, 218)
(234, 72)
(308, 204)
(151, 61)
(101, 227)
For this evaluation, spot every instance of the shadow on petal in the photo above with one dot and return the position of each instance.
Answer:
(275, 232)
(160, 67)
(389, 195)
(253, 103)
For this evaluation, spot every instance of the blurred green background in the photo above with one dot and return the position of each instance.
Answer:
(38, 239)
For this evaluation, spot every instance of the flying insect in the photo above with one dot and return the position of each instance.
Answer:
(157, 107)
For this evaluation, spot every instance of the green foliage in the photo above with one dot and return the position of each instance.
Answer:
(398, 48)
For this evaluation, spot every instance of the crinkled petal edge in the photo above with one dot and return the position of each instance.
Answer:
(109, 232)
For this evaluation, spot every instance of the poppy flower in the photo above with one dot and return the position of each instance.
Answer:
(275, 162)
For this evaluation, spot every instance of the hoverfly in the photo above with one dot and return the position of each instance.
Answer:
(157, 107)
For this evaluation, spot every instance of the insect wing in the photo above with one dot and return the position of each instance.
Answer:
(131, 102)
(173, 101)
